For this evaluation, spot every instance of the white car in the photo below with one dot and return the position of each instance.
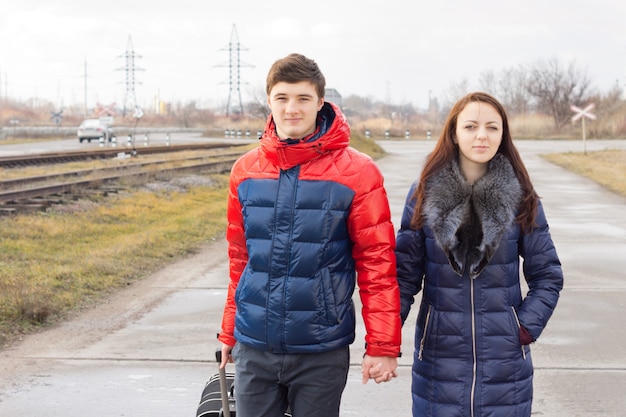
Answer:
(94, 129)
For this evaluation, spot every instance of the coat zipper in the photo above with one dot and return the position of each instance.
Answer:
(423, 341)
(474, 367)
(519, 325)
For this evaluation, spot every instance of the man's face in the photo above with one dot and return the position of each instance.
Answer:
(294, 108)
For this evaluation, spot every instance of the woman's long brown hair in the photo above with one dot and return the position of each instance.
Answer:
(446, 150)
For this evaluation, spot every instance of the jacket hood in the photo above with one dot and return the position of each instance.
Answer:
(333, 133)
(468, 221)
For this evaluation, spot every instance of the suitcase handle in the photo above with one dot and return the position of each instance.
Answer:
(223, 384)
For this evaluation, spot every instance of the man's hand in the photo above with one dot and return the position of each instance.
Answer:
(226, 356)
(379, 368)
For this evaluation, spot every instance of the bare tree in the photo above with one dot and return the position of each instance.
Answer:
(257, 110)
(452, 94)
(611, 102)
(184, 113)
(513, 92)
(555, 89)
(488, 82)
(257, 106)
(361, 105)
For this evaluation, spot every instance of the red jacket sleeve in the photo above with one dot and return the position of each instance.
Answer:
(372, 233)
(237, 255)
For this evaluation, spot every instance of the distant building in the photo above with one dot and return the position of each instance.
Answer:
(333, 96)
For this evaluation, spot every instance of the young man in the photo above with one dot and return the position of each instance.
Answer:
(308, 218)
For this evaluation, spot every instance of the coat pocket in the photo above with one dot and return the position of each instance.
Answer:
(518, 325)
(328, 298)
(425, 332)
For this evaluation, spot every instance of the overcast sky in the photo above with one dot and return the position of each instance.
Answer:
(392, 50)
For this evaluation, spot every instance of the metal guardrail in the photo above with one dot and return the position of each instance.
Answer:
(66, 131)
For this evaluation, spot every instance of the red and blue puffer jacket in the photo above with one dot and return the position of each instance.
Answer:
(304, 219)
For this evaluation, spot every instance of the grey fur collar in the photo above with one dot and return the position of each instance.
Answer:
(468, 221)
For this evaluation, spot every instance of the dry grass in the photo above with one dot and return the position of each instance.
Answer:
(527, 126)
(54, 262)
(607, 167)
(368, 146)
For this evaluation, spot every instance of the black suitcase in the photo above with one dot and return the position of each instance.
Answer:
(218, 395)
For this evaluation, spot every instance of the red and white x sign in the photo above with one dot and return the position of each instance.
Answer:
(586, 112)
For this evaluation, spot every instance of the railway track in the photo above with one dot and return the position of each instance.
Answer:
(107, 153)
(40, 192)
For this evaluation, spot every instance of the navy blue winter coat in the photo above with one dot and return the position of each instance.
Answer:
(468, 359)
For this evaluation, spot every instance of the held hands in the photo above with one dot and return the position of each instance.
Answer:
(378, 368)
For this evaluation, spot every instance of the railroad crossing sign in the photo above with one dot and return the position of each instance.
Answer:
(105, 110)
(583, 114)
(56, 117)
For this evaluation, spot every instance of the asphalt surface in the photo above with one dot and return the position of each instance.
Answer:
(149, 351)
(121, 143)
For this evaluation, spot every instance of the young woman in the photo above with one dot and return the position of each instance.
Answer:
(467, 221)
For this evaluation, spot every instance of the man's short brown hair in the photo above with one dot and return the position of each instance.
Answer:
(295, 68)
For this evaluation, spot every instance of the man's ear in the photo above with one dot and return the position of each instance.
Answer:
(320, 104)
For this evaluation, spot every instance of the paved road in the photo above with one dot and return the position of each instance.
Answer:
(148, 351)
(122, 144)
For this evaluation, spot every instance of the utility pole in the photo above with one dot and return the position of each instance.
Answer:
(85, 81)
(129, 68)
(234, 73)
(6, 87)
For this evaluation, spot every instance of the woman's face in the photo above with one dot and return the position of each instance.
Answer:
(478, 135)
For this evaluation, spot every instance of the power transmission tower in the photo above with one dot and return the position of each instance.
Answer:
(234, 73)
(129, 68)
